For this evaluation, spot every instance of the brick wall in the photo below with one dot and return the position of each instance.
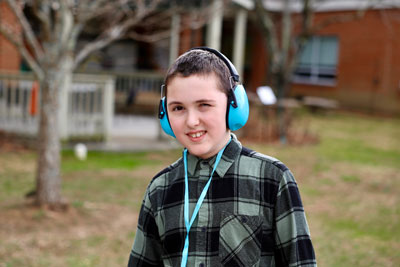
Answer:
(9, 56)
(368, 62)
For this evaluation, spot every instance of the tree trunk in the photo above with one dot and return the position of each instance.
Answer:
(48, 180)
(54, 88)
(280, 84)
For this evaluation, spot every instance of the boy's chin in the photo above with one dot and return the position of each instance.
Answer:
(201, 152)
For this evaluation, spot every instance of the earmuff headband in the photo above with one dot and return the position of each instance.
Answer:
(228, 63)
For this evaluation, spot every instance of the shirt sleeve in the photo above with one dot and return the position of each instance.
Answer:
(147, 247)
(292, 236)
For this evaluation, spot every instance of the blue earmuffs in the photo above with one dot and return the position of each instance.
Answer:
(237, 111)
(163, 116)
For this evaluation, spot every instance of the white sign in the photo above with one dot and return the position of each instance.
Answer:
(266, 95)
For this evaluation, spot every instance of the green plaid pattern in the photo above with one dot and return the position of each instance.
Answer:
(252, 214)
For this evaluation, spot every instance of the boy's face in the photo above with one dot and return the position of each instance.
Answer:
(196, 112)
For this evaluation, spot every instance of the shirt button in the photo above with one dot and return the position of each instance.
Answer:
(201, 265)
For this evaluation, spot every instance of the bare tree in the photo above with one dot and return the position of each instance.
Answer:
(48, 43)
(286, 30)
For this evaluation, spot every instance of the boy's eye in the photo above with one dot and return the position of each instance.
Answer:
(177, 108)
(205, 105)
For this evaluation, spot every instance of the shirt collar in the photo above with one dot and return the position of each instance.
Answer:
(231, 153)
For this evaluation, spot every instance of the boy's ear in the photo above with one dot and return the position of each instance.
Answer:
(163, 117)
(238, 108)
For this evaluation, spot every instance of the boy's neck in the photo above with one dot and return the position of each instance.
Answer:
(222, 144)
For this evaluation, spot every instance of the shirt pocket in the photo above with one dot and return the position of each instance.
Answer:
(240, 240)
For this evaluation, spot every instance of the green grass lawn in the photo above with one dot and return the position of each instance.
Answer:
(349, 181)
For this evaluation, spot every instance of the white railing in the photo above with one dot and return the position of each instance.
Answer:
(15, 99)
(85, 110)
(138, 81)
(130, 85)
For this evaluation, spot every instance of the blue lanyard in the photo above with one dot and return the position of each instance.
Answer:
(198, 204)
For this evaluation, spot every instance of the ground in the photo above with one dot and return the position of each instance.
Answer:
(62, 237)
(349, 181)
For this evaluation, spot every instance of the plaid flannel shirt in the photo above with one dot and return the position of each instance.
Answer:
(252, 214)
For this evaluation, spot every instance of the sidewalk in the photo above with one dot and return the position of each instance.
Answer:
(136, 133)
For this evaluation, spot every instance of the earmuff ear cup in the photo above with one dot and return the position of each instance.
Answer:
(237, 116)
(163, 116)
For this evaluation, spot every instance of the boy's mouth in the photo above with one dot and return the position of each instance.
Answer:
(197, 134)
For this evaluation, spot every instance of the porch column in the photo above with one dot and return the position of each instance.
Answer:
(240, 40)
(214, 27)
(174, 38)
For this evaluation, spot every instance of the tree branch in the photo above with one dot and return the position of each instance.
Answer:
(67, 24)
(150, 38)
(308, 16)
(286, 32)
(117, 30)
(112, 34)
(386, 23)
(12, 38)
(42, 13)
(94, 9)
(335, 19)
(306, 23)
(27, 29)
(269, 29)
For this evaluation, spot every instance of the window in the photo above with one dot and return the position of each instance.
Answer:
(317, 61)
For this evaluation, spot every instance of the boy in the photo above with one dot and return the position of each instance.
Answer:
(221, 204)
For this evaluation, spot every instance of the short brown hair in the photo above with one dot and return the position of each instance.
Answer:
(199, 62)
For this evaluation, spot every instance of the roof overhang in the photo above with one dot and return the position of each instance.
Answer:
(324, 5)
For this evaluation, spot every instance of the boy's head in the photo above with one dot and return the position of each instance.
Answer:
(203, 101)
(200, 62)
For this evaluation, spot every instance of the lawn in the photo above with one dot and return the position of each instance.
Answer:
(349, 181)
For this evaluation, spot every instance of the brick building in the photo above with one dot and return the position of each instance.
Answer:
(356, 62)
(10, 59)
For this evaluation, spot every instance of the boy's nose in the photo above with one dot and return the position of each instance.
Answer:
(192, 119)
